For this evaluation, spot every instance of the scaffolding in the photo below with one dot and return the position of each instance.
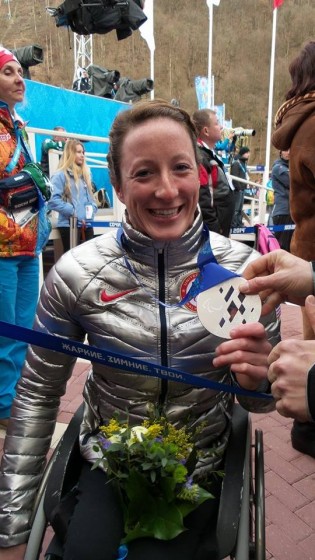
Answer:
(83, 53)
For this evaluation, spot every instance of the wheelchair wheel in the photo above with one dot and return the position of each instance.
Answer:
(257, 547)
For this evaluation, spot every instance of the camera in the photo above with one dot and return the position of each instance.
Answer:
(131, 90)
(100, 16)
(102, 80)
(29, 56)
(238, 132)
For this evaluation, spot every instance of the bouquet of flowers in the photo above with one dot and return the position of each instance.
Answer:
(151, 464)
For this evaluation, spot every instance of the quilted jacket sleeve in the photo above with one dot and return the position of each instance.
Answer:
(34, 413)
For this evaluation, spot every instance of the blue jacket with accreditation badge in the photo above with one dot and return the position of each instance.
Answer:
(74, 205)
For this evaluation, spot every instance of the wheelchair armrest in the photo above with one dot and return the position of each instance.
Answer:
(237, 453)
(61, 476)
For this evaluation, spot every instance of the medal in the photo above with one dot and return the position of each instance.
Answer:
(223, 307)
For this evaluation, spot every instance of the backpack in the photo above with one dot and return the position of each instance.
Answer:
(265, 240)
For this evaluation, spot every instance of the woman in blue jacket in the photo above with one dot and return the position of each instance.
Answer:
(73, 194)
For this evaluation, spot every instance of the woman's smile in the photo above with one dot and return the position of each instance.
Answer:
(165, 212)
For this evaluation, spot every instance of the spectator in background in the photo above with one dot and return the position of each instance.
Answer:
(54, 143)
(281, 216)
(73, 194)
(23, 233)
(217, 199)
(82, 84)
(225, 147)
(295, 125)
(270, 200)
(239, 169)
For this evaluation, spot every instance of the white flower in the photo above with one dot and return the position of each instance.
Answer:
(137, 433)
(116, 438)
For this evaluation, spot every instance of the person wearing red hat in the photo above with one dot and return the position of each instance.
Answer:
(20, 238)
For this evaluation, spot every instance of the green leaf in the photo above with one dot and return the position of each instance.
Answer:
(168, 486)
(147, 466)
(164, 522)
(186, 507)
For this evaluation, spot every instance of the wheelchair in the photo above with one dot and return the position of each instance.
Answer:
(240, 529)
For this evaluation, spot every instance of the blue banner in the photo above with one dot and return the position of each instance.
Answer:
(117, 361)
(201, 86)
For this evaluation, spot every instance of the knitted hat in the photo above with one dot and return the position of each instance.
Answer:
(243, 150)
(6, 56)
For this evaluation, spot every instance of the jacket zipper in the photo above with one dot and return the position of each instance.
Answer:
(164, 358)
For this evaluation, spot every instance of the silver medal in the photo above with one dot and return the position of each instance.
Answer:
(223, 307)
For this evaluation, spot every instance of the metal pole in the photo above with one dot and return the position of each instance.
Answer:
(73, 232)
(210, 101)
(262, 200)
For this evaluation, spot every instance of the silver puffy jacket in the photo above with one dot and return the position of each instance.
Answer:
(75, 300)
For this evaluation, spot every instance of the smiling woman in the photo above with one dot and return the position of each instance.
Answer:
(159, 181)
(132, 293)
(21, 238)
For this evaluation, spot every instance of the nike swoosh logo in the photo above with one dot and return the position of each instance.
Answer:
(111, 297)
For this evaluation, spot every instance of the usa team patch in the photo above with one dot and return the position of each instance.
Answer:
(184, 289)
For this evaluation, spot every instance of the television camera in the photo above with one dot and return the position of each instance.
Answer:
(102, 80)
(29, 56)
(86, 17)
(131, 90)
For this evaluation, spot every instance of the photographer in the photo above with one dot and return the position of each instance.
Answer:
(225, 148)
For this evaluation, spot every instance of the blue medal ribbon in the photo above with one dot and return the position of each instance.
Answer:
(210, 272)
(118, 361)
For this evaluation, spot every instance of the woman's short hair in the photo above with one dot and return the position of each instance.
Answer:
(137, 115)
(302, 71)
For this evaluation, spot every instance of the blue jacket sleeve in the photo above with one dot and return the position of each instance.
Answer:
(57, 201)
(223, 145)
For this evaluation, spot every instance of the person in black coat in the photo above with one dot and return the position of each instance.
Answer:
(216, 199)
(280, 178)
(239, 169)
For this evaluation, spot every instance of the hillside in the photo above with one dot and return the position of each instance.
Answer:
(241, 51)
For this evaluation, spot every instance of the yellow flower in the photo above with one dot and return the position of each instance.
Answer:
(154, 431)
(112, 428)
